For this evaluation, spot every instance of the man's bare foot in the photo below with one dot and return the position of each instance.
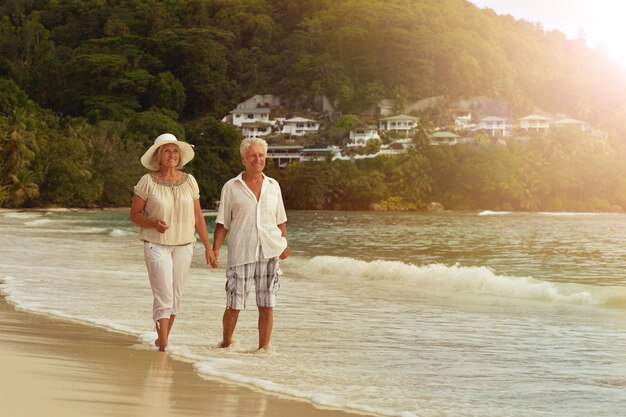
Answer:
(224, 344)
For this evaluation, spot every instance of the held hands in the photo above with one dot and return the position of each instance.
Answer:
(211, 257)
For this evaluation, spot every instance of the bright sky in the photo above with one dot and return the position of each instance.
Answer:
(604, 21)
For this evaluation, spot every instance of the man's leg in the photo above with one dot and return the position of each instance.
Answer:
(266, 322)
(237, 289)
(267, 282)
(229, 322)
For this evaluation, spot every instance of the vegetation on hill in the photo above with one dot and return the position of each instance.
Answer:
(85, 86)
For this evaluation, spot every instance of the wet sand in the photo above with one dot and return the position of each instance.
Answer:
(56, 367)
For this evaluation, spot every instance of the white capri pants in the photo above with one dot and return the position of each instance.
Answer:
(168, 267)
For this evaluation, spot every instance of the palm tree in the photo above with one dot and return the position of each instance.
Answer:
(412, 177)
(22, 188)
(4, 194)
(17, 145)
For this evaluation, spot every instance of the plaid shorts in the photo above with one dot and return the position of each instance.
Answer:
(266, 274)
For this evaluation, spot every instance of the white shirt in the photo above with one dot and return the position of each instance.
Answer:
(251, 223)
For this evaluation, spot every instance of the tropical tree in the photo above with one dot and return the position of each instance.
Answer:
(66, 164)
(21, 189)
(217, 158)
(18, 145)
(115, 162)
(307, 186)
(353, 189)
(144, 127)
(198, 58)
(412, 179)
(12, 97)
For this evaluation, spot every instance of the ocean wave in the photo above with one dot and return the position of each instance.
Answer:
(541, 213)
(20, 215)
(38, 222)
(113, 232)
(210, 363)
(219, 368)
(493, 213)
(120, 233)
(90, 230)
(466, 279)
(9, 287)
(567, 213)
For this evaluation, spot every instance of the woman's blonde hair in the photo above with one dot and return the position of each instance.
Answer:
(156, 157)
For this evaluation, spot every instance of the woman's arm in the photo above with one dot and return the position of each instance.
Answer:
(204, 234)
(141, 220)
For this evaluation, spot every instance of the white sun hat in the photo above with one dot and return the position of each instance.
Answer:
(186, 152)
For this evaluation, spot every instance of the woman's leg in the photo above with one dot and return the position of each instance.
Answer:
(159, 263)
(181, 263)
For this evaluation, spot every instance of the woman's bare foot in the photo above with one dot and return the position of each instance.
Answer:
(157, 344)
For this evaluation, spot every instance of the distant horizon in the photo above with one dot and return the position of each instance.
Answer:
(600, 20)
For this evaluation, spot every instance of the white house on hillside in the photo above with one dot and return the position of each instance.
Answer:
(284, 154)
(535, 122)
(239, 116)
(359, 136)
(462, 119)
(255, 129)
(299, 126)
(319, 152)
(400, 123)
(493, 125)
(584, 126)
(443, 138)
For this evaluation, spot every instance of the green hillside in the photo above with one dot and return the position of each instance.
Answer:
(86, 84)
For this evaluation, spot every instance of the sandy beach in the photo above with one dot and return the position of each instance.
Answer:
(56, 367)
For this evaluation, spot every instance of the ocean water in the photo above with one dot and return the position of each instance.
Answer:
(398, 314)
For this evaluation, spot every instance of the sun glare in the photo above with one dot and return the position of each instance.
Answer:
(600, 21)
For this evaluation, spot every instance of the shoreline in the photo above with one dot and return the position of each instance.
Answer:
(122, 209)
(65, 368)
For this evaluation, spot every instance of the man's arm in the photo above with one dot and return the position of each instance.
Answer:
(218, 238)
(283, 233)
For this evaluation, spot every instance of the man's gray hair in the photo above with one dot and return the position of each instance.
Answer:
(247, 142)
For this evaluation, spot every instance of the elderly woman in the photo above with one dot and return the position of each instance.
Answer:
(166, 207)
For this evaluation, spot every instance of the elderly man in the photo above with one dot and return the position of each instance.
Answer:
(252, 213)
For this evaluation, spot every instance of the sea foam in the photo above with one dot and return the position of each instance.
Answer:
(21, 215)
(493, 213)
(465, 279)
(37, 222)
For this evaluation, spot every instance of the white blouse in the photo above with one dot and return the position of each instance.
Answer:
(172, 203)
